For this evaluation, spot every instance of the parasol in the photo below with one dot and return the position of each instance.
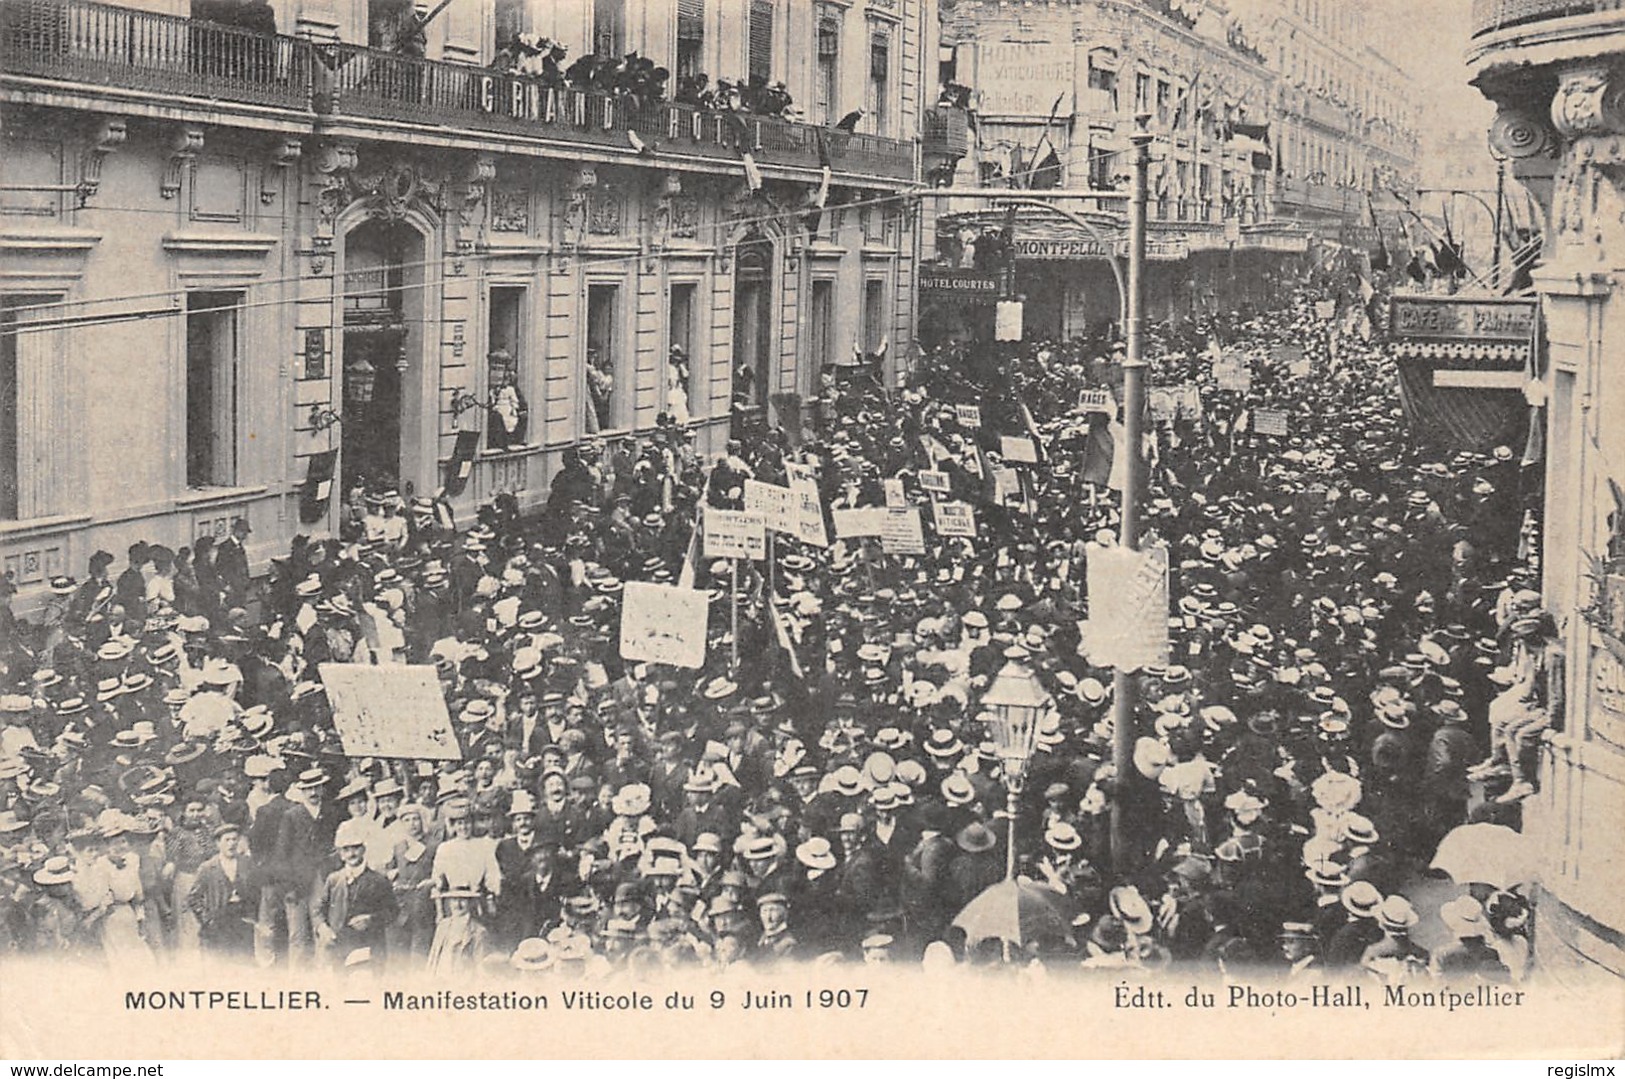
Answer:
(1487, 854)
(1017, 912)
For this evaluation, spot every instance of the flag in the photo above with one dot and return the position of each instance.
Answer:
(1099, 450)
(1032, 429)
(691, 560)
(1048, 173)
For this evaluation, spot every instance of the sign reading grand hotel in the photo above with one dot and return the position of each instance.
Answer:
(1456, 319)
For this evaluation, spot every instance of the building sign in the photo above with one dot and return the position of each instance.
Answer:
(1455, 319)
(1033, 247)
(958, 284)
(1023, 79)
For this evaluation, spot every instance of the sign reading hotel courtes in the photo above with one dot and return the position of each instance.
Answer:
(959, 284)
(1023, 78)
(1455, 319)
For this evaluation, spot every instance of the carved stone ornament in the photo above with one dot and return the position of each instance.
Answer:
(472, 188)
(332, 165)
(285, 152)
(1521, 134)
(185, 143)
(1586, 104)
(107, 135)
(606, 212)
(574, 218)
(396, 187)
(509, 210)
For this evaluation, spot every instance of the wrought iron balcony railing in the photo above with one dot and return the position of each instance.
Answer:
(1492, 15)
(103, 45)
(946, 132)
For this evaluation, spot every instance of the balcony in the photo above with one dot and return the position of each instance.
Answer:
(1293, 194)
(946, 132)
(111, 51)
(1490, 16)
(125, 50)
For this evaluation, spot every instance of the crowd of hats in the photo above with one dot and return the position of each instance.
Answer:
(838, 792)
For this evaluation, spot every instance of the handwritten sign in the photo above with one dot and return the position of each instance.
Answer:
(901, 531)
(391, 710)
(664, 624)
(955, 519)
(936, 482)
(858, 523)
(968, 415)
(1020, 450)
(734, 534)
(1267, 421)
(776, 504)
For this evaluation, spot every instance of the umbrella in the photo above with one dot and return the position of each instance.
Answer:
(1487, 854)
(1016, 912)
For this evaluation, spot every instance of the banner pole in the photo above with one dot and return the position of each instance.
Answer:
(733, 606)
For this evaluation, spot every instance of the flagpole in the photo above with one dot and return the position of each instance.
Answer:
(733, 605)
(1124, 689)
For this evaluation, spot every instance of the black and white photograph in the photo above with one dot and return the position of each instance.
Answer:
(811, 507)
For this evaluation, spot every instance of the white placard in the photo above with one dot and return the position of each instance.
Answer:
(955, 519)
(1325, 310)
(1098, 401)
(776, 504)
(734, 534)
(968, 415)
(1007, 320)
(809, 511)
(664, 624)
(893, 486)
(391, 710)
(901, 531)
(931, 480)
(1269, 421)
(858, 523)
(1017, 449)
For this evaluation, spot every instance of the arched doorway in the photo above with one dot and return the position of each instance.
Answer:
(753, 322)
(383, 318)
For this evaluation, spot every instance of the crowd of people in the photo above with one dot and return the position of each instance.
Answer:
(1358, 663)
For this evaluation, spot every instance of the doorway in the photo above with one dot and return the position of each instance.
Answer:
(383, 308)
(753, 323)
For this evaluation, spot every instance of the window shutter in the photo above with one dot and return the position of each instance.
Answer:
(879, 56)
(761, 40)
(690, 20)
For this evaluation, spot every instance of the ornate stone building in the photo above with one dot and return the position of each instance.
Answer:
(1553, 70)
(251, 259)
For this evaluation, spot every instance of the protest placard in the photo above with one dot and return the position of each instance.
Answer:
(1268, 421)
(968, 415)
(1164, 403)
(1233, 375)
(1098, 401)
(390, 710)
(776, 504)
(1017, 449)
(808, 508)
(664, 624)
(1325, 310)
(893, 486)
(955, 519)
(901, 531)
(734, 534)
(861, 522)
(937, 482)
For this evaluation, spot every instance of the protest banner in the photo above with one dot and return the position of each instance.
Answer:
(664, 624)
(861, 522)
(955, 519)
(734, 534)
(901, 531)
(1164, 403)
(936, 482)
(968, 415)
(1233, 375)
(1019, 450)
(390, 710)
(776, 504)
(1267, 421)
(1128, 606)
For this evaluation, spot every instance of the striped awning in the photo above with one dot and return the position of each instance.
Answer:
(1470, 351)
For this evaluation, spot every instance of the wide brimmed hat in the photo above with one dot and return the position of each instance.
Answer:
(976, 838)
(1361, 899)
(1396, 912)
(632, 800)
(1130, 908)
(816, 853)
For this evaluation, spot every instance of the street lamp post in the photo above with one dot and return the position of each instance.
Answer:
(1016, 701)
(1124, 689)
